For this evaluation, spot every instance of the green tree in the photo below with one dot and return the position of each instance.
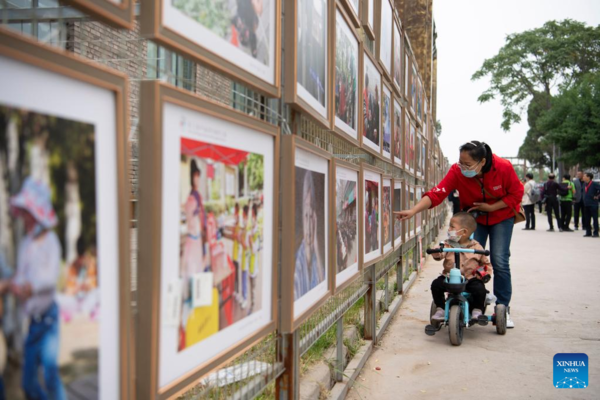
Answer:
(534, 66)
(573, 123)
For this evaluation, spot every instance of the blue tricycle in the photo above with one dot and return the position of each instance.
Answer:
(458, 315)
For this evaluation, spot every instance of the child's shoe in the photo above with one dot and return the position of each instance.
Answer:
(440, 315)
(476, 313)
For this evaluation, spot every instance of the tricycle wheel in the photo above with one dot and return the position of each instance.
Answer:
(455, 325)
(501, 319)
(433, 310)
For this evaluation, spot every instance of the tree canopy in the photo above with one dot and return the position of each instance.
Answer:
(532, 69)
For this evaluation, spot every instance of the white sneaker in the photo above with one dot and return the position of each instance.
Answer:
(509, 322)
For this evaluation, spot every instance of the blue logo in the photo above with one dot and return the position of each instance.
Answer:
(571, 371)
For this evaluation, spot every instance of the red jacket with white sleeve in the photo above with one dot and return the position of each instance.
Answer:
(501, 181)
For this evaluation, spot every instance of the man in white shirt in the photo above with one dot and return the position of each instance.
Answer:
(528, 204)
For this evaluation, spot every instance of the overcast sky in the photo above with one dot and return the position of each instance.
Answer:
(469, 31)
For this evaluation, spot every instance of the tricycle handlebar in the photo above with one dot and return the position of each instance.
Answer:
(453, 250)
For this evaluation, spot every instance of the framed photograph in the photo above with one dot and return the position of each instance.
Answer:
(353, 7)
(407, 76)
(398, 139)
(419, 216)
(411, 204)
(207, 238)
(345, 76)
(418, 165)
(386, 122)
(346, 226)
(64, 236)
(397, 54)
(371, 105)
(423, 156)
(419, 100)
(387, 216)
(307, 38)
(371, 204)
(385, 37)
(238, 38)
(306, 230)
(413, 89)
(368, 18)
(398, 205)
(118, 13)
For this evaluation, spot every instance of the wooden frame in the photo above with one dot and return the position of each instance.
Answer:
(387, 155)
(397, 50)
(365, 170)
(296, 94)
(336, 124)
(368, 11)
(398, 239)
(390, 244)
(119, 15)
(418, 222)
(156, 98)
(353, 13)
(388, 70)
(367, 144)
(397, 133)
(289, 320)
(335, 287)
(172, 29)
(23, 50)
(410, 204)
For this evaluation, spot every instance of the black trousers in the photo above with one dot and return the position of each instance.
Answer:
(540, 204)
(579, 208)
(566, 208)
(590, 216)
(530, 215)
(474, 286)
(552, 205)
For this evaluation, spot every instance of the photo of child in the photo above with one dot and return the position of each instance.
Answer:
(398, 198)
(397, 148)
(50, 304)
(387, 215)
(372, 233)
(346, 219)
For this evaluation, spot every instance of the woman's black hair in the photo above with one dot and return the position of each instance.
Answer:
(478, 151)
(194, 170)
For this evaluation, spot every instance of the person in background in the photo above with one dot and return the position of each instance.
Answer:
(454, 199)
(578, 206)
(5, 275)
(591, 195)
(566, 203)
(528, 205)
(551, 196)
(34, 285)
(542, 198)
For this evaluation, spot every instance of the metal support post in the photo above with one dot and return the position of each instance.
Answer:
(288, 384)
(339, 362)
(371, 306)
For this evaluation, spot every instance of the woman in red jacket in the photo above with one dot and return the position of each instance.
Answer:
(490, 188)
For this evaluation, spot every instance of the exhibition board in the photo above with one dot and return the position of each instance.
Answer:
(385, 36)
(346, 225)
(368, 18)
(307, 55)
(398, 133)
(371, 204)
(398, 205)
(225, 41)
(371, 106)
(386, 122)
(118, 13)
(398, 55)
(353, 7)
(347, 76)
(308, 204)
(70, 190)
(387, 238)
(208, 238)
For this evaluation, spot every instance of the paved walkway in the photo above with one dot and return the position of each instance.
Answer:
(556, 309)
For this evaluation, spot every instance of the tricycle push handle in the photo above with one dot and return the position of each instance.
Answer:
(453, 250)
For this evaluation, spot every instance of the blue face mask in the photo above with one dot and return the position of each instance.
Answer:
(469, 174)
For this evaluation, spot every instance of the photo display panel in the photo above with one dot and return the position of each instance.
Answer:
(371, 215)
(386, 216)
(346, 221)
(371, 105)
(386, 122)
(217, 249)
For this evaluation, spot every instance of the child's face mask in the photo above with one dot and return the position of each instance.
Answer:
(454, 236)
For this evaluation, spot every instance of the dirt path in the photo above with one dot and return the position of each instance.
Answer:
(556, 309)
